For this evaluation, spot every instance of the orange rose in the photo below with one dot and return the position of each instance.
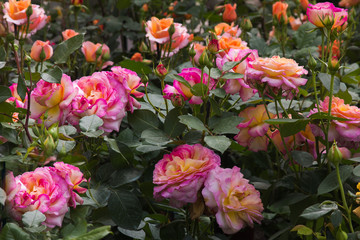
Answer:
(227, 43)
(15, 11)
(37, 49)
(295, 23)
(137, 57)
(145, 7)
(229, 14)
(69, 33)
(348, 3)
(89, 50)
(279, 10)
(158, 30)
(224, 28)
(304, 4)
(335, 49)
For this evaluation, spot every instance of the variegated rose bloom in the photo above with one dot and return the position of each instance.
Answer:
(99, 94)
(131, 82)
(15, 97)
(192, 76)
(181, 174)
(54, 99)
(236, 202)
(43, 190)
(253, 128)
(199, 49)
(233, 86)
(275, 75)
(227, 43)
(346, 133)
(326, 13)
(157, 30)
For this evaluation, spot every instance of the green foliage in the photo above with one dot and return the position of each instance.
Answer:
(66, 48)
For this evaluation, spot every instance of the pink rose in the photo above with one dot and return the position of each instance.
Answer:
(15, 11)
(275, 74)
(192, 76)
(346, 133)
(42, 190)
(15, 97)
(181, 174)
(102, 95)
(236, 202)
(199, 48)
(238, 85)
(327, 13)
(253, 128)
(157, 30)
(54, 99)
(131, 82)
(37, 20)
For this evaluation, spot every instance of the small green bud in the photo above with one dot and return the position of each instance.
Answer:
(312, 63)
(98, 52)
(106, 56)
(335, 156)
(27, 59)
(145, 79)
(177, 100)
(29, 11)
(42, 55)
(333, 66)
(192, 52)
(203, 59)
(247, 25)
(341, 235)
(171, 29)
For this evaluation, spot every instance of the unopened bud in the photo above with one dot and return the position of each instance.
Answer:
(171, 29)
(29, 11)
(98, 52)
(333, 66)
(203, 59)
(106, 56)
(335, 156)
(213, 46)
(192, 51)
(341, 235)
(143, 47)
(53, 130)
(161, 70)
(247, 25)
(49, 146)
(145, 79)
(312, 63)
(27, 59)
(42, 55)
(177, 100)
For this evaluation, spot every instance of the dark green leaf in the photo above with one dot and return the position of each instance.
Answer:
(220, 143)
(149, 148)
(121, 156)
(126, 209)
(199, 89)
(232, 75)
(155, 136)
(326, 81)
(34, 76)
(281, 121)
(143, 119)
(52, 75)
(226, 125)
(172, 125)
(124, 176)
(330, 183)
(215, 73)
(230, 65)
(64, 49)
(314, 212)
(134, 234)
(289, 199)
(336, 218)
(305, 159)
(33, 218)
(90, 123)
(5, 93)
(11, 231)
(181, 80)
(95, 234)
(322, 115)
(192, 122)
(289, 129)
(167, 231)
(138, 67)
(356, 170)
(21, 87)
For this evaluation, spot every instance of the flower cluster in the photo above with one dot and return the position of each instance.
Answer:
(49, 190)
(275, 75)
(107, 94)
(346, 133)
(188, 169)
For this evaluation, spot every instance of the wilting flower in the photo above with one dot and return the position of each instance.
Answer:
(326, 13)
(295, 23)
(276, 74)
(15, 11)
(229, 14)
(346, 133)
(279, 11)
(93, 54)
(137, 57)
(227, 43)
(181, 174)
(199, 48)
(253, 129)
(336, 53)
(236, 202)
(348, 3)
(73, 177)
(43, 190)
(158, 30)
(238, 85)
(15, 97)
(54, 99)
(224, 29)
(41, 51)
(192, 76)
(131, 82)
(69, 33)
(100, 94)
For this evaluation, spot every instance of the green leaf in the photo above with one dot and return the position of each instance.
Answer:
(155, 136)
(100, 195)
(2, 54)
(326, 81)
(5, 93)
(12, 231)
(220, 143)
(64, 49)
(121, 156)
(314, 212)
(289, 129)
(94, 134)
(167, 231)
(219, 92)
(330, 182)
(148, 148)
(125, 208)
(2, 196)
(52, 75)
(95, 234)
(181, 80)
(336, 218)
(138, 67)
(90, 123)
(192, 122)
(215, 73)
(232, 75)
(322, 115)
(141, 120)
(71, 231)
(199, 89)
(302, 230)
(226, 125)
(172, 125)
(289, 199)
(305, 159)
(33, 218)
(356, 171)
(230, 65)
(281, 121)
(124, 176)
(21, 87)
(35, 76)
(134, 234)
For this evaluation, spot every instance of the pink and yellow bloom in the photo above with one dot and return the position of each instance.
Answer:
(346, 133)
(131, 82)
(326, 13)
(227, 43)
(236, 202)
(192, 76)
(253, 129)
(276, 74)
(158, 30)
(199, 49)
(99, 94)
(233, 86)
(181, 174)
(54, 99)
(90, 49)
(15, 97)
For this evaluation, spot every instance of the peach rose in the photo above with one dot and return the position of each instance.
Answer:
(304, 4)
(295, 23)
(229, 14)
(279, 11)
(336, 53)
(158, 30)
(15, 11)
(69, 33)
(89, 50)
(348, 3)
(199, 48)
(37, 21)
(137, 57)
(224, 29)
(38, 47)
(227, 43)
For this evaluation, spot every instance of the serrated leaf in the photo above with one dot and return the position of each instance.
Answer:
(192, 122)
(138, 67)
(33, 218)
(220, 143)
(314, 212)
(226, 125)
(90, 123)
(95, 234)
(5, 93)
(65, 48)
(232, 75)
(326, 81)
(155, 136)
(21, 87)
(172, 125)
(124, 176)
(143, 119)
(52, 75)
(199, 89)
(305, 159)
(181, 80)
(330, 182)
(12, 231)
